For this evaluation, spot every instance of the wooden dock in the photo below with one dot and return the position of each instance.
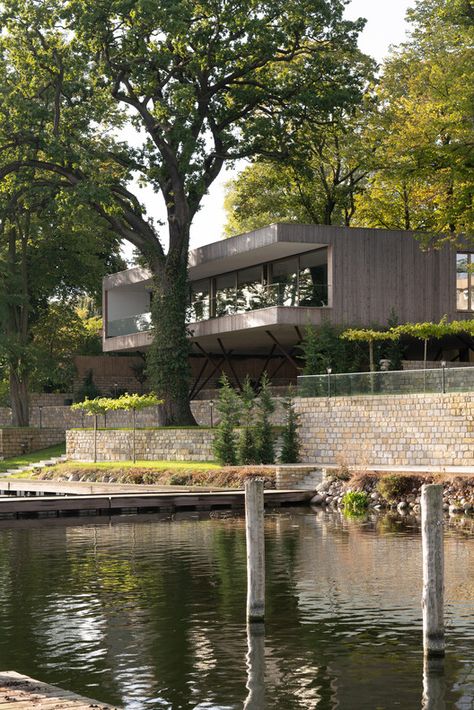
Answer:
(103, 504)
(22, 693)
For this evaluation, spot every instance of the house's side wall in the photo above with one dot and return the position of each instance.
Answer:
(391, 430)
(375, 271)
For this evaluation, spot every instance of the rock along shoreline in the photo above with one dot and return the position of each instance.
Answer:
(392, 491)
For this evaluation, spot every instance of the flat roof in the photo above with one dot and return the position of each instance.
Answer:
(276, 241)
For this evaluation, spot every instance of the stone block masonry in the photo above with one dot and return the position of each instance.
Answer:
(396, 430)
(17, 441)
(63, 417)
(150, 444)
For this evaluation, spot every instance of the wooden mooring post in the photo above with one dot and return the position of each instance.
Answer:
(254, 530)
(433, 570)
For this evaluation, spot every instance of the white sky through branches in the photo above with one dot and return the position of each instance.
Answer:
(385, 26)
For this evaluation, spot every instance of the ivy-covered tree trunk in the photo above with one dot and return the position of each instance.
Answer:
(168, 357)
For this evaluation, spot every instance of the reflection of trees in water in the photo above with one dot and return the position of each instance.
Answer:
(171, 602)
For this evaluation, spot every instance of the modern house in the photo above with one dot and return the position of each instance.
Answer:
(251, 296)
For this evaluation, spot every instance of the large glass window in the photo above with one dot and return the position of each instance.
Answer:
(313, 279)
(199, 308)
(226, 295)
(284, 286)
(465, 282)
(295, 281)
(250, 289)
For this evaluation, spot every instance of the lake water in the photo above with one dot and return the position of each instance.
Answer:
(149, 613)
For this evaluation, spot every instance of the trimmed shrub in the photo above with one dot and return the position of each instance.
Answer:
(265, 408)
(247, 450)
(290, 450)
(225, 440)
(88, 389)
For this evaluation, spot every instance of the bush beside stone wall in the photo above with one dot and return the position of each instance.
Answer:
(17, 441)
(151, 445)
(395, 430)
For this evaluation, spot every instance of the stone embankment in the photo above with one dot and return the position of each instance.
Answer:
(399, 492)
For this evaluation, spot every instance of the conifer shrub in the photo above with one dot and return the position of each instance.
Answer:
(290, 451)
(88, 389)
(247, 449)
(225, 439)
(264, 431)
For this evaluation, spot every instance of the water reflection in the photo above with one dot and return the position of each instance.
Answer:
(255, 667)
(149, 613)
(434, 684)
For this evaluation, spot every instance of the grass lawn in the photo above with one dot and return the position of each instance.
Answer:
(33, 457)
(155, 465)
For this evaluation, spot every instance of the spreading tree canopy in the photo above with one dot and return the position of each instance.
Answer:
(202, 82)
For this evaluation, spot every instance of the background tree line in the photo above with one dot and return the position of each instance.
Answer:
(400, 158)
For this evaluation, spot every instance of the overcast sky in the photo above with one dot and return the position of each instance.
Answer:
(385, 26)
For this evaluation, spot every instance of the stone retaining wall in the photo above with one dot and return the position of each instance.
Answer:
(15, 441)
(62, 417)
(398, 430)
(150, 445)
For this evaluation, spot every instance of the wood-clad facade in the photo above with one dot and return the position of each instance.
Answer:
(302, 274)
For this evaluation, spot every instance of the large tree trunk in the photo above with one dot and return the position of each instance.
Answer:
(19, 399)
(168, 357)
(16, 326)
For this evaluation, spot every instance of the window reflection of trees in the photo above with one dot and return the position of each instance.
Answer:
(296, 281)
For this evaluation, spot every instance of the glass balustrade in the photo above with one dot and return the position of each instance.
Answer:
(230, 301)
(139, 323)
(442, 379)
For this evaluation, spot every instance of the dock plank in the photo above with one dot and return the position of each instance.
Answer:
(23, 693)
(169, 501)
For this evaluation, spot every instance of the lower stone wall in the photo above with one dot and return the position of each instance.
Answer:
(15, 441)
(398, 430)
(150, 444)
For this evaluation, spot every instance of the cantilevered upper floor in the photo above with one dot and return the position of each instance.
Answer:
(266, 286)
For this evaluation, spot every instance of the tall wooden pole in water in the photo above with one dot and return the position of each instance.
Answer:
(255, 549)
(433, 570)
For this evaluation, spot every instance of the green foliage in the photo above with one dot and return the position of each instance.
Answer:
(4, 393)
(59, 335)
(92, 407)
(370, 336)
(392, 349)
(422, 177)
(393, 486)
(225, 440)
(322, 347)
(315, 183)
(204, 82)
(355, 502)
(247, 450)
(127, 402)
(88, 389)
(291, 444)
(133, 402)
(264, 430)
